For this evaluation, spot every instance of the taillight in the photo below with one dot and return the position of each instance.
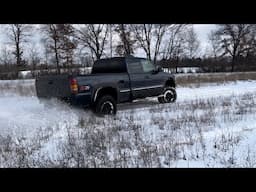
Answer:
(73, 85)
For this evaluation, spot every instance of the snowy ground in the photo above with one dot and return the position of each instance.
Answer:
(209, 126)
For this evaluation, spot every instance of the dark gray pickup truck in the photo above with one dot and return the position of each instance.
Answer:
(112, 81)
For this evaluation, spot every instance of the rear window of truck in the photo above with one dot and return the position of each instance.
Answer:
(114, 65)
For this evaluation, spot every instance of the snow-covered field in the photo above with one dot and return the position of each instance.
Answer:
(209, 126)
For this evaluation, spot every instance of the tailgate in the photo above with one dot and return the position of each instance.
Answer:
(53, 86)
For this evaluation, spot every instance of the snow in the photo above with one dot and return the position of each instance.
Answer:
(233, 88)
(23, 115)
(234, 133)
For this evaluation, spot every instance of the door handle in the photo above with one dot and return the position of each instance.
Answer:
(121, 81)
(146, 77)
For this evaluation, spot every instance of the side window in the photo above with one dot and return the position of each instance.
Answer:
(134, 66)
(147, 66)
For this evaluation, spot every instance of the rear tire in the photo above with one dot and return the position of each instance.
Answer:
(169, 95)
(105, 105)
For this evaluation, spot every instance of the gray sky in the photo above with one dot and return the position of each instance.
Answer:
(202, 31)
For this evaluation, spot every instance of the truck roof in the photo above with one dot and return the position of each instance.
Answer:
(111, 65)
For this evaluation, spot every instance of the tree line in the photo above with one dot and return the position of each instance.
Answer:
(170, 45)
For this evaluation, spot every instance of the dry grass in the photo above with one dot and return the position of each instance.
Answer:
(198, 79)
(128, 140)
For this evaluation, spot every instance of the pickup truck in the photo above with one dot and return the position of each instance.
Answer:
(112, 81)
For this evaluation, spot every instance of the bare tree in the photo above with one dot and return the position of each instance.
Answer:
(159, 32)
(59, 40)
(143, 34)
(6, 57)
(46, 53)
(18, 34)
(93, 36)
(251, 42)
(110, 39)
(150, 38)
(127, 41)
(214, 44)
(34, 58)
(236, 40)
(175, 41)
(192, 43)
(68, 44)
(52, 41)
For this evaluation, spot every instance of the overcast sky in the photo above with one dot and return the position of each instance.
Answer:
(202, 31)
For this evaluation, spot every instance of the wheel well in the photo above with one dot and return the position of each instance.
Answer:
(170, 83)
(106, 91)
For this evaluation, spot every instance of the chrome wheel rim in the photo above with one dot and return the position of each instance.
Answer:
(168, 96)
(107, 108)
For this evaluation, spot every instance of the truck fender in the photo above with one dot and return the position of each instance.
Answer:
(96, 93)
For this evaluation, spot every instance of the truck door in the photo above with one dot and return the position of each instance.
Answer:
(143, 82)
(153, 78)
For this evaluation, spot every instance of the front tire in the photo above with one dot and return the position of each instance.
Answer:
(169, 95)
(106, 105)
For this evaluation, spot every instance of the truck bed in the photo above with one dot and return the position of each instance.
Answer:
(53, 86)
(58, 86)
